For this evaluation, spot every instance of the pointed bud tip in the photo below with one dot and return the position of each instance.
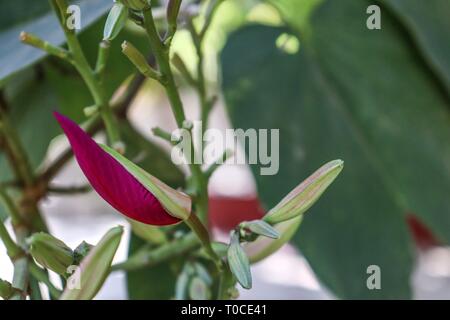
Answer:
(301, 198)
(23, 36)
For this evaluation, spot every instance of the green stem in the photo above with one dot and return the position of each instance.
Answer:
(21, 274)
(162, 57)
(225, 282)
(161, 54)
(35, 290)
(11, 209)
(146, 258)
(103, 53)
(12, 249)
(40, 275)
(203, 235)
(89, 76)
(14, 150)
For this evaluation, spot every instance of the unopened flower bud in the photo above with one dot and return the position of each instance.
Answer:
(306, 194)
(6, 290)
(94, 268)
(239, 262)
(50, 252)
(81, 252)
(115, 22)
(139, 61)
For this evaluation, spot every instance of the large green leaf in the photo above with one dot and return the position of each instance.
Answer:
(356, 223)
(154, 283)
(36, 17)
(350, 94)
(428, 22)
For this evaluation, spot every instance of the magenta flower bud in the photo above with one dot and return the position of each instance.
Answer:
(125, 191)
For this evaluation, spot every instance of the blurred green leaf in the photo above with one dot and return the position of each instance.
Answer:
(296, 12)
(359, 95)
(152, 234)
(36, 17)
(428, 22)
(30, 102)
(198, 289)
(342, 232)
(3, 215)
(154, 283)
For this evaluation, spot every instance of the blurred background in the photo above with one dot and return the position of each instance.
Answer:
(378, 99)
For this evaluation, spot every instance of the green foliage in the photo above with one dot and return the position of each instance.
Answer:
(362, 96)
(154, 283)
(377, 99)
(428, 23)
(35, 16)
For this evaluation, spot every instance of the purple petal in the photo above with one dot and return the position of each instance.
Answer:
(111, 180)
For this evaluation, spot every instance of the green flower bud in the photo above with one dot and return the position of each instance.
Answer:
(136, 4)
(239, 263)
(50, 252)
(81, 252)
(139, 61)
(94, 268)
(305, 195)
(6, 290)
(115, 22)
(91, 110)
(173, 8)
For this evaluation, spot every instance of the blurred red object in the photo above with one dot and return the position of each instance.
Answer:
(423, 237)
(227, 212)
